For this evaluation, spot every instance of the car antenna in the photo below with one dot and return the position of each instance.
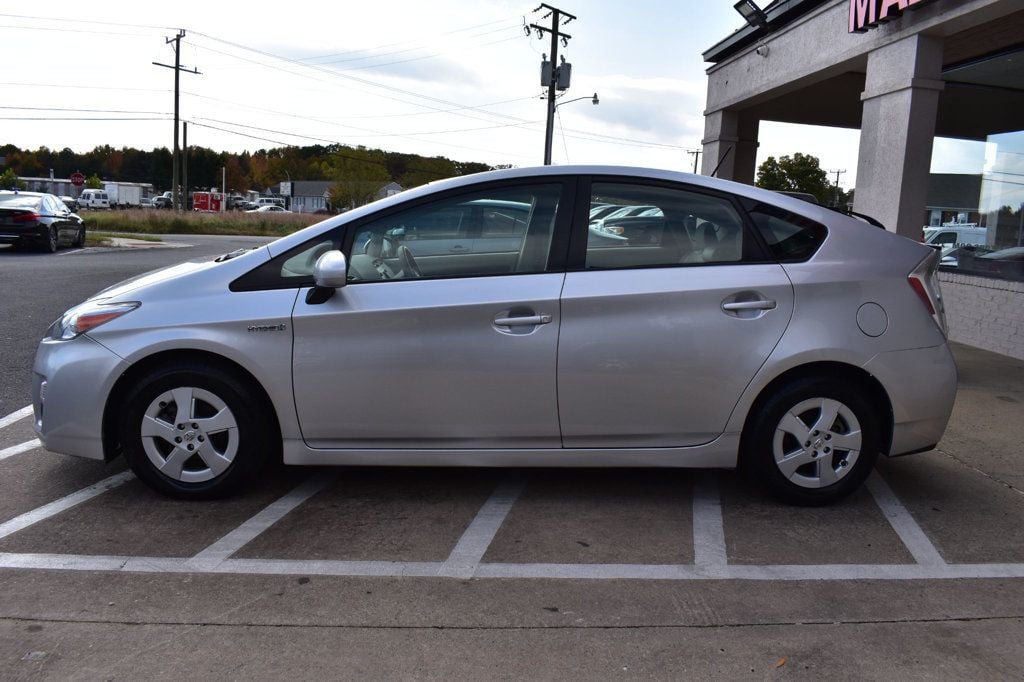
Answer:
(722, 160)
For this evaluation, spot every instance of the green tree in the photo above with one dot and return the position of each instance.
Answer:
(93, 182)
(797, 173)
(9, 180)
(358, 175)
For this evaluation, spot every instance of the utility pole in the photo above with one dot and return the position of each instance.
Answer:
(558, 18)
(838, 172)
(178, 68)
(184, 163)
(696, 157)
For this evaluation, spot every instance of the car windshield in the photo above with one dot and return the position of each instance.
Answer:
(20, 201)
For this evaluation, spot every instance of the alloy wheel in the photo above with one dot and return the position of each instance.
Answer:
(817, 442)
(189, 434)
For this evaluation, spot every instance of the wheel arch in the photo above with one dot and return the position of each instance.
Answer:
(841, 371)
(111, 443)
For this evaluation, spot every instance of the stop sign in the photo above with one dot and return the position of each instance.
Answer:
(77, 179)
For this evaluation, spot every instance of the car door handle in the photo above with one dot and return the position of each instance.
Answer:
(458, 248)
(750, 305)
(528, 320)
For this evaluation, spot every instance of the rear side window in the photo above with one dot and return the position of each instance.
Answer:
(791, 238)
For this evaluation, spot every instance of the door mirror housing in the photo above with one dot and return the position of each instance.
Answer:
(331, 270)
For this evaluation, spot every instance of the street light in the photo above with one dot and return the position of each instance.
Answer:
(593, 99)
(547, 148)
(751, 13)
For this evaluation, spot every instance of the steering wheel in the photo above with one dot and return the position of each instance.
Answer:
(409, 266)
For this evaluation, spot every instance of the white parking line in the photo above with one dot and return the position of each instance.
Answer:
(64, 503)
(274, 512)
(17, 415)
(471, 547)
(21, 447)
(412, 569)
(708, 527)
(920, 547)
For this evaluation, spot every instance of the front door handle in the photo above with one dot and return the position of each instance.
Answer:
(750, 305)
(526, 321)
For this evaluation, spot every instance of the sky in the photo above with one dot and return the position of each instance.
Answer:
(444, 78)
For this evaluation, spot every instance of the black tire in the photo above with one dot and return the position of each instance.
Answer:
(758, 450)
(51, 243)
(257, 437)
(80, 237)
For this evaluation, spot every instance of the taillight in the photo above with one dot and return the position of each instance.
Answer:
(924, 280)
(27, 217)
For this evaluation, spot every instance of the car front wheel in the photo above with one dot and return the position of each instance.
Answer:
(195, 432)
(814, 442)
(80, 237)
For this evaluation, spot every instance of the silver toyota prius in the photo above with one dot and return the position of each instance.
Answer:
(487, 321)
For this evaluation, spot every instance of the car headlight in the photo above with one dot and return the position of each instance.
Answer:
(86, 317)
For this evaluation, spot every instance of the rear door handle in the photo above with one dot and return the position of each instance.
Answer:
(527, 321)
(750, 305)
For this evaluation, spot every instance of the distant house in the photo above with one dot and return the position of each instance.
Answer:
(953, 198)
(309, 196)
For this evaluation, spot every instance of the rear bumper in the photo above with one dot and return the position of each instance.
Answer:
(70, 384)
(921, 384)
(13, 235)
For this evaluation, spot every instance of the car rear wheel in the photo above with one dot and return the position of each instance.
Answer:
(51, 244)
(814, 442)
(195, 431)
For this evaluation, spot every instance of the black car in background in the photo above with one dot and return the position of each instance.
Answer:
(38, 219)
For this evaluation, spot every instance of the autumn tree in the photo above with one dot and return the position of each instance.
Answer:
(797, 173)
(93, 182)
(358, 175)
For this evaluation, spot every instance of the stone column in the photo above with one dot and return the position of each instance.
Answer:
(901, 100)
(724, 130)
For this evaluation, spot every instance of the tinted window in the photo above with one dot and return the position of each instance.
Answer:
(19, 201)
(659, 226)
(501, 231)
(790, 237)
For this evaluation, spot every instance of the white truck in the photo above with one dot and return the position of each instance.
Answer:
(124, 194)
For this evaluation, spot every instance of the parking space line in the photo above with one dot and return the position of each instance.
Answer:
(920, 547)
(17, 415)
(413, 569)
(471, 547)
(708, 526)
(21, 447)
(57, 506)
(271, 514)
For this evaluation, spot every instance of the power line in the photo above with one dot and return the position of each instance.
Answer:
(82, 87)
(87, 21)
(76, 118)
(86, 111)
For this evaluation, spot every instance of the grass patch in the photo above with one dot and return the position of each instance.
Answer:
(156, 221)
(97, 239)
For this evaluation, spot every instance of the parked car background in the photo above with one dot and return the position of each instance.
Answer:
(37, 219)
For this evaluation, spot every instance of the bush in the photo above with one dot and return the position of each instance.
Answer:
(151, 221)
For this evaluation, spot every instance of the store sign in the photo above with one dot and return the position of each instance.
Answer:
(866, 14)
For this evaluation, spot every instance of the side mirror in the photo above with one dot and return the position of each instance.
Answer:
(331, 270)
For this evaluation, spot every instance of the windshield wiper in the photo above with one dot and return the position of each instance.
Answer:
(232, 254)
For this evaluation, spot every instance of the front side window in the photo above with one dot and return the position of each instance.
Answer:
(652, 226)
(505, 230)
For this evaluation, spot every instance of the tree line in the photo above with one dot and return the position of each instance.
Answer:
(351, 168)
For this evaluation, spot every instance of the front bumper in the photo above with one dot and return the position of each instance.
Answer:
(921, 384)
(70, 384)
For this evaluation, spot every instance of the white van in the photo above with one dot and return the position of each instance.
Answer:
(94, 198)
(270, 201)
(950, 237)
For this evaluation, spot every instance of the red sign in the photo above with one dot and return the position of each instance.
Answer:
(77, 179)
(865, 14)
